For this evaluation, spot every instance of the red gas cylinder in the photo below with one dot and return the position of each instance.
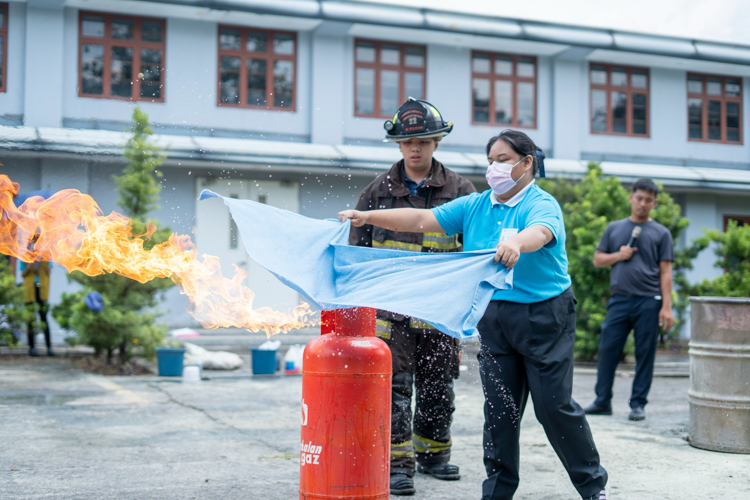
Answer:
(327, 321)
(346, 411)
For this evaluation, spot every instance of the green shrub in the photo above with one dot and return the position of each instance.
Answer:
(733, 251)
(14, 315)
(588, 207)
(114, 326)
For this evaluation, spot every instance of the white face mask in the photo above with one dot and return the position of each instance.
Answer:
(499, 178)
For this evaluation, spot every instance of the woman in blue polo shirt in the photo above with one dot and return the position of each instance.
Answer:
(527, 333)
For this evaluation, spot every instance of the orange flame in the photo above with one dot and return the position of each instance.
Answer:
(70, 230)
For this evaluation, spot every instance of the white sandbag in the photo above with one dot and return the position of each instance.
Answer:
(211, 360)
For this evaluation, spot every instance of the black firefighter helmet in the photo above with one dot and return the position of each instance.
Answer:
(416, 118)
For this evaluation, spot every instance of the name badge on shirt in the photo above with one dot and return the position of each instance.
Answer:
(508, 232)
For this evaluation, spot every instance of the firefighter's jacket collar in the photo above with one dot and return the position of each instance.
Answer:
(397, 186)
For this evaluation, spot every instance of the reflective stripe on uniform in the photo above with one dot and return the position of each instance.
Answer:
(419, 324)
(383, 329)
(400, 245)
(440, 241)
(424, 445)
(405, 449)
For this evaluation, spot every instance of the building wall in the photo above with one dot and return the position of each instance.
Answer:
(327, 78)
(11, 101)
(191, 82)
(190, 88)
(667, 141)
(568, 108)
(26, 171)
(44, 66)
(702, 212)
(323, 196)
(449, 88)
(325, 95)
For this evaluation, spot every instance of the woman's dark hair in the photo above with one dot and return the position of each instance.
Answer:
(522, 145)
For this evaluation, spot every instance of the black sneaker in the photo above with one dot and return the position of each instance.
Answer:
(594, 409)
(637, 413)
(443, 470)
(50, 352)
(33, 352)
(602, 495)
(401, 484)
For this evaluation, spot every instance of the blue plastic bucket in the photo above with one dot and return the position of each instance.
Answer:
(264, 361)
(170, 360)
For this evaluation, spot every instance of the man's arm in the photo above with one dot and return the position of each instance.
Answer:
(666, 317)
(409, 220)
(602, 259)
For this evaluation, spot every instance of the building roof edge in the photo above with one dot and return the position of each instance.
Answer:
(108, 145)
(494, 26)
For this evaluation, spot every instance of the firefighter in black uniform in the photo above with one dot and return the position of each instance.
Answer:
(422, 356)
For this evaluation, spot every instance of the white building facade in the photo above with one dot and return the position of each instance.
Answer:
(284, 102)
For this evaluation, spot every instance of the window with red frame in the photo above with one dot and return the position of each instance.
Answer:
(741, 220)
(121, 57)
(503, 90)
(257, 68)
(3, 44)
(619, 100)
(385, 75)
(714, 109)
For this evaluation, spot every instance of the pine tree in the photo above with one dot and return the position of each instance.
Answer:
(128, 321)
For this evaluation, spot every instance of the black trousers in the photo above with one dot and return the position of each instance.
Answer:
(529, 348)
(427, 360)
(625, 313)
(42, 310)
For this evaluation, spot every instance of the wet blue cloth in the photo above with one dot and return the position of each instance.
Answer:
(448, 290)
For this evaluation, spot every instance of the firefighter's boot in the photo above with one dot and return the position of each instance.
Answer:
(442, 470)
(401, 484)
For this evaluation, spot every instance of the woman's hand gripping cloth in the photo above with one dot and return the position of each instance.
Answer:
(447, 290)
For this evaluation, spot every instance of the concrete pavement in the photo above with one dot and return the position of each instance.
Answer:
(73, 435)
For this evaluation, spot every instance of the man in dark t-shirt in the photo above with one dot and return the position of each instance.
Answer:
(641, 297)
